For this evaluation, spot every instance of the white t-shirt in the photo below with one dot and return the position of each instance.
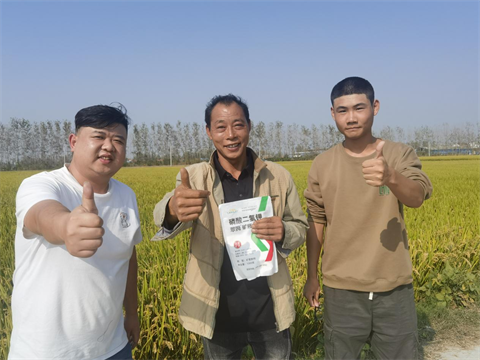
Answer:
(65, 307)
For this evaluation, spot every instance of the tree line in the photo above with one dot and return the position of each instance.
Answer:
(44, 145)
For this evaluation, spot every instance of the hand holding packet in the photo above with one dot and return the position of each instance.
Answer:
(250, 256)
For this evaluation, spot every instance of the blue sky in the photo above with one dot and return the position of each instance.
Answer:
(165, 60)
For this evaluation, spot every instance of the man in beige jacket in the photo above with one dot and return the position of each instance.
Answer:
(227, 313)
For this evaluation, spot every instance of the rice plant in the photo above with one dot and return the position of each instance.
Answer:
(444, 243)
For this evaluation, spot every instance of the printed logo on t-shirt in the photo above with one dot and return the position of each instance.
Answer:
(383, 190)
(124, 220)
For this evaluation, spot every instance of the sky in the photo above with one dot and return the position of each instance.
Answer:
(165, 60)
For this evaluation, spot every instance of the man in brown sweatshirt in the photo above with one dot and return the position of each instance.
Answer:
(355, 196)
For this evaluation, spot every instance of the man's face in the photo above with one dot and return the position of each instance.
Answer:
(229, 131)
(354, 114)
(99, 153)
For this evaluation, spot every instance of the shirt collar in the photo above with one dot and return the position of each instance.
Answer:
(222, 172)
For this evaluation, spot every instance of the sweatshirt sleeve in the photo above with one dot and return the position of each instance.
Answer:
(313, 195)
(409, 165)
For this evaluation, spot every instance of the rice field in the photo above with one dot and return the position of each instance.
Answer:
(444, 241)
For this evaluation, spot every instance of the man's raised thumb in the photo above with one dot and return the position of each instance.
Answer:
(185, 178)
(88, 200)
(380, 149)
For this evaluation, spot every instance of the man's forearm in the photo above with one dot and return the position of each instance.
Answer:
(170, 218)
(314, 247)
(47, 218)
(407, 191)
(130, 301)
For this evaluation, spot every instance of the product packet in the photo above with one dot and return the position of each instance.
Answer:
(250, 256)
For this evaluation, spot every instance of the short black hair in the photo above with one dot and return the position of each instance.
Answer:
(353, 85)
(102, 116)
(226, 100)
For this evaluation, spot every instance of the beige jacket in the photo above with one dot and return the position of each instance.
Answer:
(201, 294)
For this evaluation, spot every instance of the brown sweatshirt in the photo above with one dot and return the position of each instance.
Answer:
(366, 245)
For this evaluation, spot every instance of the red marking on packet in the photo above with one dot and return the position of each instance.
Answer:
(270, 251)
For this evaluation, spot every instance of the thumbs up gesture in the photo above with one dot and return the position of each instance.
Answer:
(83, 229)
(376, 172)
(186, 203)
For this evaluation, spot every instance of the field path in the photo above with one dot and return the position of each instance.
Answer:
(461, 354)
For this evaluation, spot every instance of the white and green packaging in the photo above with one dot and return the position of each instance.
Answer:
(250, 256)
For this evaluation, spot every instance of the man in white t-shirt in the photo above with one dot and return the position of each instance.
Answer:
(75, 259)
